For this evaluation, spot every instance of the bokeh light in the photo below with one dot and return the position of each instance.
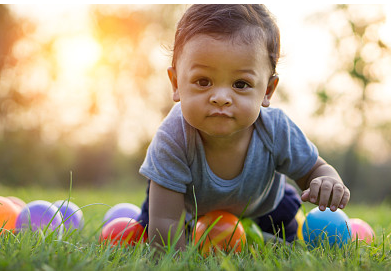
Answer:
(94, 76)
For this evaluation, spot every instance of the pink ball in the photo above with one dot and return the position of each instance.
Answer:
(17, 201)
(361, 230)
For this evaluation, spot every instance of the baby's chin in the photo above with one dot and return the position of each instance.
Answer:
(224, 133)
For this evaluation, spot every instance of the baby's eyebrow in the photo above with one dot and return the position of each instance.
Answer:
(198, 65)
(203, 66)
(247, 71)
(195, 66)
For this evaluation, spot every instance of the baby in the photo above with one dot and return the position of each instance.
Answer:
(221, 147)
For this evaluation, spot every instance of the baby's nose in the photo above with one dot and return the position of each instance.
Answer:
(221, 97)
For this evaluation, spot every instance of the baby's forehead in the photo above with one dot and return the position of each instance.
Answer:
(256, 42)
(210, 48)
(245, 34)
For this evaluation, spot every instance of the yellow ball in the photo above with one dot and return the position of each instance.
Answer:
(300, 218)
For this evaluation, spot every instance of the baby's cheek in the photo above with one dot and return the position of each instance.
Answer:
(250, 114)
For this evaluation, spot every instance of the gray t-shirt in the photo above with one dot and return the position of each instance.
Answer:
(176, 160)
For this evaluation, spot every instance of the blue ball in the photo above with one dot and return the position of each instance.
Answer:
(333, 226)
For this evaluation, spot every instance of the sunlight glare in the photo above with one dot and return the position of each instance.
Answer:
(77, 54)
(385, 30)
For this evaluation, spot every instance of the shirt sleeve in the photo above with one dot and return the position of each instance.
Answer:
(294, 153)
(166, 162)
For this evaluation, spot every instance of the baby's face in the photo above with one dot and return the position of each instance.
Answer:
(221, 84)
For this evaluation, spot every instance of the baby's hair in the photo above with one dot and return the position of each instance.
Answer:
(247, 22)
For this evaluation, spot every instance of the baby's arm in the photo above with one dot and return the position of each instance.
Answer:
(165, 210)
(323, 186)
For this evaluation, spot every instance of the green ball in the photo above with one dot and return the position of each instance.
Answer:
(253, 232)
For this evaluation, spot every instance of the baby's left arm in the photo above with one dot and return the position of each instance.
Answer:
(323, 186)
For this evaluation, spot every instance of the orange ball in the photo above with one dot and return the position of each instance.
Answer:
(8, 214)
(223, 235)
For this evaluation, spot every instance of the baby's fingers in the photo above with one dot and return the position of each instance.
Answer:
(345, 198)
(325, 194)
(314, 190)
(305, 195)
(338, 193)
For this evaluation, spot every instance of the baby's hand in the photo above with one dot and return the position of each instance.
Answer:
(327, 192)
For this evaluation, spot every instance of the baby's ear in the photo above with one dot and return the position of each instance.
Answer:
(271, 87)
(174, 83)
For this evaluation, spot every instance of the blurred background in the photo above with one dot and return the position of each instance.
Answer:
(83, 89)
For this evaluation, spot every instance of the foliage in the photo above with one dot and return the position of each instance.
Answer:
(10, 33)
(81, 85)
(112, 103)
(98, 121)
(352, 94)
(27, 161)
(353, 89)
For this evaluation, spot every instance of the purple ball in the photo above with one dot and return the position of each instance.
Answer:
(122, 210)
(71, 214)
(39, 213)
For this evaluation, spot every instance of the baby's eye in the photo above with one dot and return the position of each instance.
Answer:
(240, 84)
(204, 82)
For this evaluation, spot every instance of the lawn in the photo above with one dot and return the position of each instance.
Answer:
(82, 251)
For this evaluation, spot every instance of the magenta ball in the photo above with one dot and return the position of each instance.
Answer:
(38, 214)
(361, 230)
(71, 214)
(122, 210)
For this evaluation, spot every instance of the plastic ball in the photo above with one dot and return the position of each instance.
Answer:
(361, 230)
(300, 218)
(39, 214)
(17, 201)
(333, 226)
(123, 230)
(8, 214)
(253, 232)
(71, 214)
(223, 235)
(122, 210)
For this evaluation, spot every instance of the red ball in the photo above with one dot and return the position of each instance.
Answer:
(123, 230)
(223, 235)
(361, 230)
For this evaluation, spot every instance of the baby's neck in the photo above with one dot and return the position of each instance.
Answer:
(226, 156)
(239, 139)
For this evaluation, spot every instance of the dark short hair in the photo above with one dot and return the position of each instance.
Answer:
(229, 21)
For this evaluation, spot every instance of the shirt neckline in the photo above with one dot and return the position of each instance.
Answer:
(226, 182)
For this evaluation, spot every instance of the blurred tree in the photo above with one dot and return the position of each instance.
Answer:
(26, 161)
(56, 116)
(362, 61)
(132, 39)
(10, 31)
(24, 158)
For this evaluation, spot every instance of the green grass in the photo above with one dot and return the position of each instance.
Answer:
(82, 251)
